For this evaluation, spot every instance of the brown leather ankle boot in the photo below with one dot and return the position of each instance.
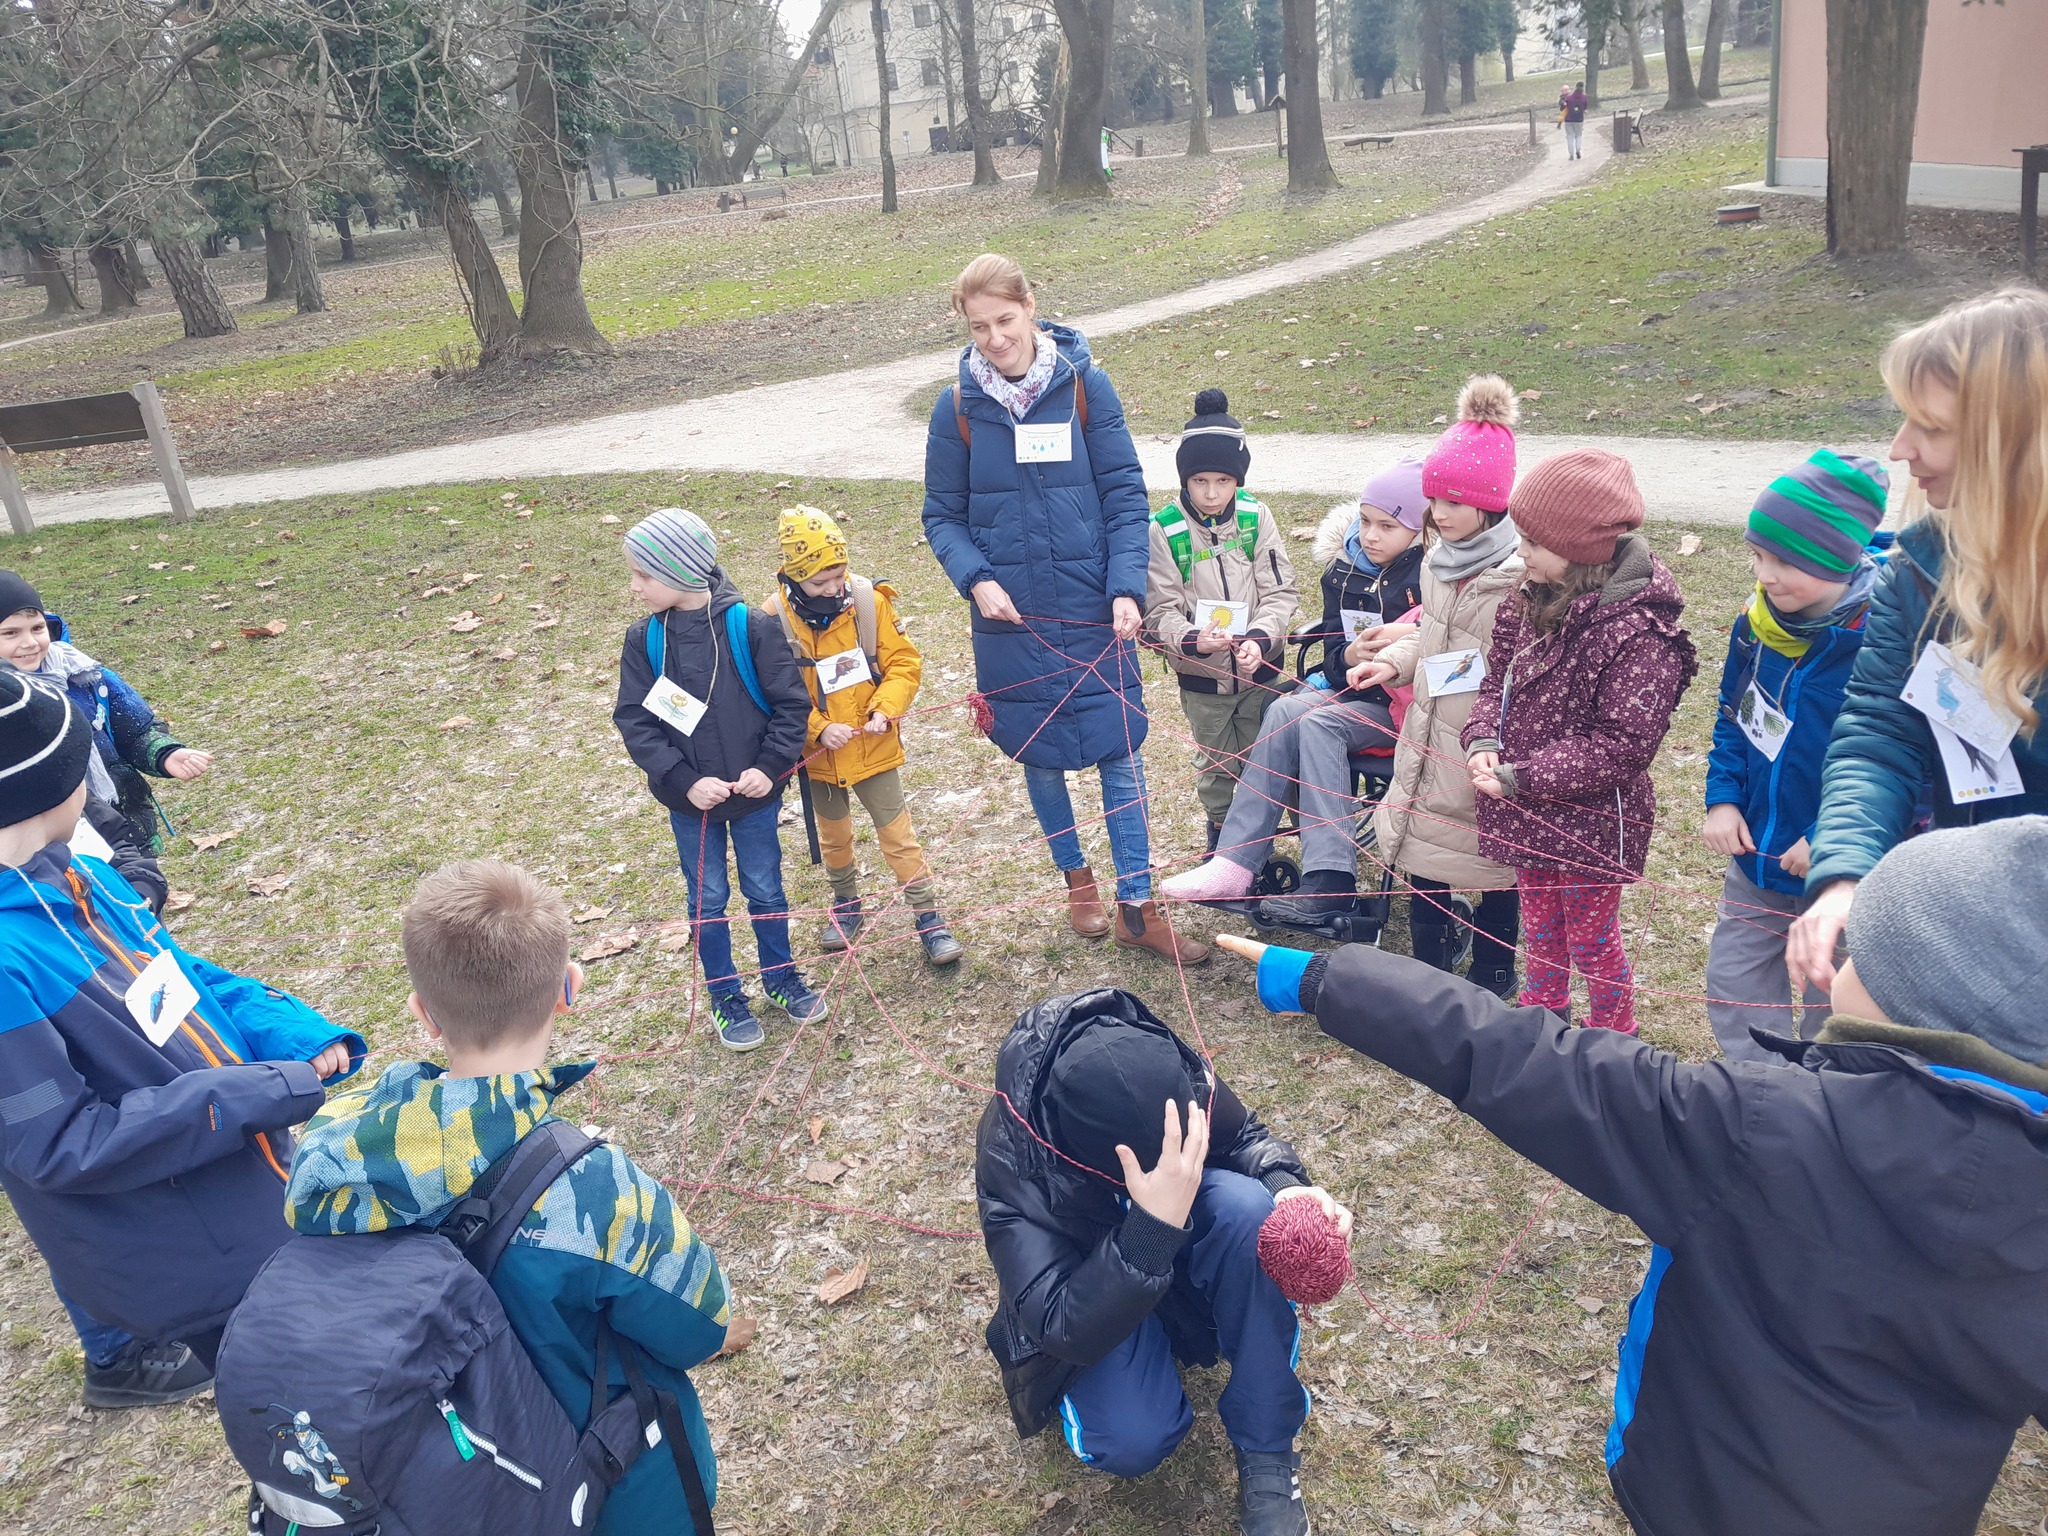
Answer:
(1141, 925)
(1084, 904)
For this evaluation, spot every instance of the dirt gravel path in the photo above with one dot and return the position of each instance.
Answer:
(855, 423)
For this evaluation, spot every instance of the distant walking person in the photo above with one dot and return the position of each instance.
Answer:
(1571, 111)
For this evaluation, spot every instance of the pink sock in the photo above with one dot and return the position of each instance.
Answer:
(1217, 880)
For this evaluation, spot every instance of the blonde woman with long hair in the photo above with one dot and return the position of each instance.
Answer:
(1970, 574)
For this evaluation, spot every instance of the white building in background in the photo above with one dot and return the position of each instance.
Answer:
(841, 107)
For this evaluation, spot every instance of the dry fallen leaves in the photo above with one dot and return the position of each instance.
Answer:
(739, 1333)
(464, 622)
(816, 1127)
(591, 915)
(178, 901)
(129, 601)
(608, 944)
(216, 646)
(1689, 545)
(455, 723)
(826, 1171)
(838, 1284)
(269, 885)
(268, 631)
(207, 841)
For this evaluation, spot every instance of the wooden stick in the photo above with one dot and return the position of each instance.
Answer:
(158, 426)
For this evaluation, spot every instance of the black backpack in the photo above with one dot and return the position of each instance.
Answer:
(371, 1384)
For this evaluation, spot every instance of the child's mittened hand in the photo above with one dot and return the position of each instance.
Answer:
(1727, 833)
(708, 793)
(186, 763)
(331, 1061)
(835, 736)
(753, 784)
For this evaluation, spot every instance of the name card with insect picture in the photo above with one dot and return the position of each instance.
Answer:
(161, 998)
(1357, 620)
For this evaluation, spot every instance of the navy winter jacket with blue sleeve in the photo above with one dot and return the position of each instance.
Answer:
(1065, 540)
(150, 1177)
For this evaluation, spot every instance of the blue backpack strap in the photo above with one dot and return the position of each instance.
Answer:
(483, 1222)
(743, 654)
(657, 643)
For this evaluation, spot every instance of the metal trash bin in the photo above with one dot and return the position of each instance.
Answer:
(1624, 132)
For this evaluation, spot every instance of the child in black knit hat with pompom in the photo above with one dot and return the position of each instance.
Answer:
(1219, 598)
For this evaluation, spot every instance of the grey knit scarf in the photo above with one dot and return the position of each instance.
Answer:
(1454, 561)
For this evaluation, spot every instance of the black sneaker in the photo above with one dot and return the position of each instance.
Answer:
(940, 947)
(842, 927)
(1462, 931)
(738, 1029)
(797, 1000)
(1269, 1494)
(144, 1375)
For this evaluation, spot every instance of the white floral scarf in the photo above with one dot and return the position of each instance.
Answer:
(1016, 396)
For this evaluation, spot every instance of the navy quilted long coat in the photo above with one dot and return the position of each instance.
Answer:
(1065, 540)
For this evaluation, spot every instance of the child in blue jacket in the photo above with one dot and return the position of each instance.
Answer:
(145, 1094)
(487, 951)
(129, 740)
(1788, 662)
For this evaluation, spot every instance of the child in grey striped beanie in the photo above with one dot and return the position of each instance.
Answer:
(675, 547)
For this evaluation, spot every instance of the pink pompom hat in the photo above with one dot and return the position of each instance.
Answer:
(1473, 463)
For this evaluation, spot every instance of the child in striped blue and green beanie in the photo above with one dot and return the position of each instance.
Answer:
(1789, 658)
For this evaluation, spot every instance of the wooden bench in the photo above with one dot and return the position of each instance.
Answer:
(46, 426)
(1360, 140)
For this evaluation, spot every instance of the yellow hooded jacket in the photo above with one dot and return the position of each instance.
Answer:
(902, 671)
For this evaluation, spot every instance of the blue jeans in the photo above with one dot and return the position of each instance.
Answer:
(757, 850)
(103, 1342)
(1123, 801)
(1127, 1412)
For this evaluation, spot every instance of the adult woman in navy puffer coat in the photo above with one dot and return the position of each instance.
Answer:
(1035, 505)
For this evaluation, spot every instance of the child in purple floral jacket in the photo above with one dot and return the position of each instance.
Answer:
(1587, 662)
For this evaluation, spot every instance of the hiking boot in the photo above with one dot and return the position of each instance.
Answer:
(1500, 980)
(940, 947)
(1269, 1494)
(841, 927)
(1084, 904)
(143, 1375)
(1141, 925)
(738, 1029)
(1458, 944)
(1326, 904)
(797, 1000)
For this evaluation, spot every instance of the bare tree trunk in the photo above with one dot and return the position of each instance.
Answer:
(110, 271)
(46, 266)
(484, 295)
(1087, 25)
(277, 259)
(752, 133)
(1874, 49)
(611, 169)
(309, 295)
(1710, 51)
(136, 276)
(1468, 79)
(1507, 61)
(343, 228)
(1051, 129)
(1632, 29)
(200, 303)
(1198, 80)
(985, 174)
(1681, 94)
(876, 19)
(1308, 157)
(553, 316)
(490, 170)
(1436, 69)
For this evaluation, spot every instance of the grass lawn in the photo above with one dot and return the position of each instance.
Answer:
(383, 734)
(698, 306)
(1622, 307)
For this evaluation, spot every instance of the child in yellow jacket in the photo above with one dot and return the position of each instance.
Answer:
(863, 673)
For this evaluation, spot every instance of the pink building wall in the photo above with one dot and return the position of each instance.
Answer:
(1983, 93)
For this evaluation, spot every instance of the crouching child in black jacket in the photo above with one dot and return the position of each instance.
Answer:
(1123, 1242)
(1841, 1329)
(714, 713)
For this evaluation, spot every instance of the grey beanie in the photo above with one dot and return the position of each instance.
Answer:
(1950, 931)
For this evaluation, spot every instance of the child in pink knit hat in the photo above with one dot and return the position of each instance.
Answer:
(1473, 463)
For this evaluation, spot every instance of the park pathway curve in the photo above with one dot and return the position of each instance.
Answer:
(855, 424)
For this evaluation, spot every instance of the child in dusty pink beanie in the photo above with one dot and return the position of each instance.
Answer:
(1587, 662)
